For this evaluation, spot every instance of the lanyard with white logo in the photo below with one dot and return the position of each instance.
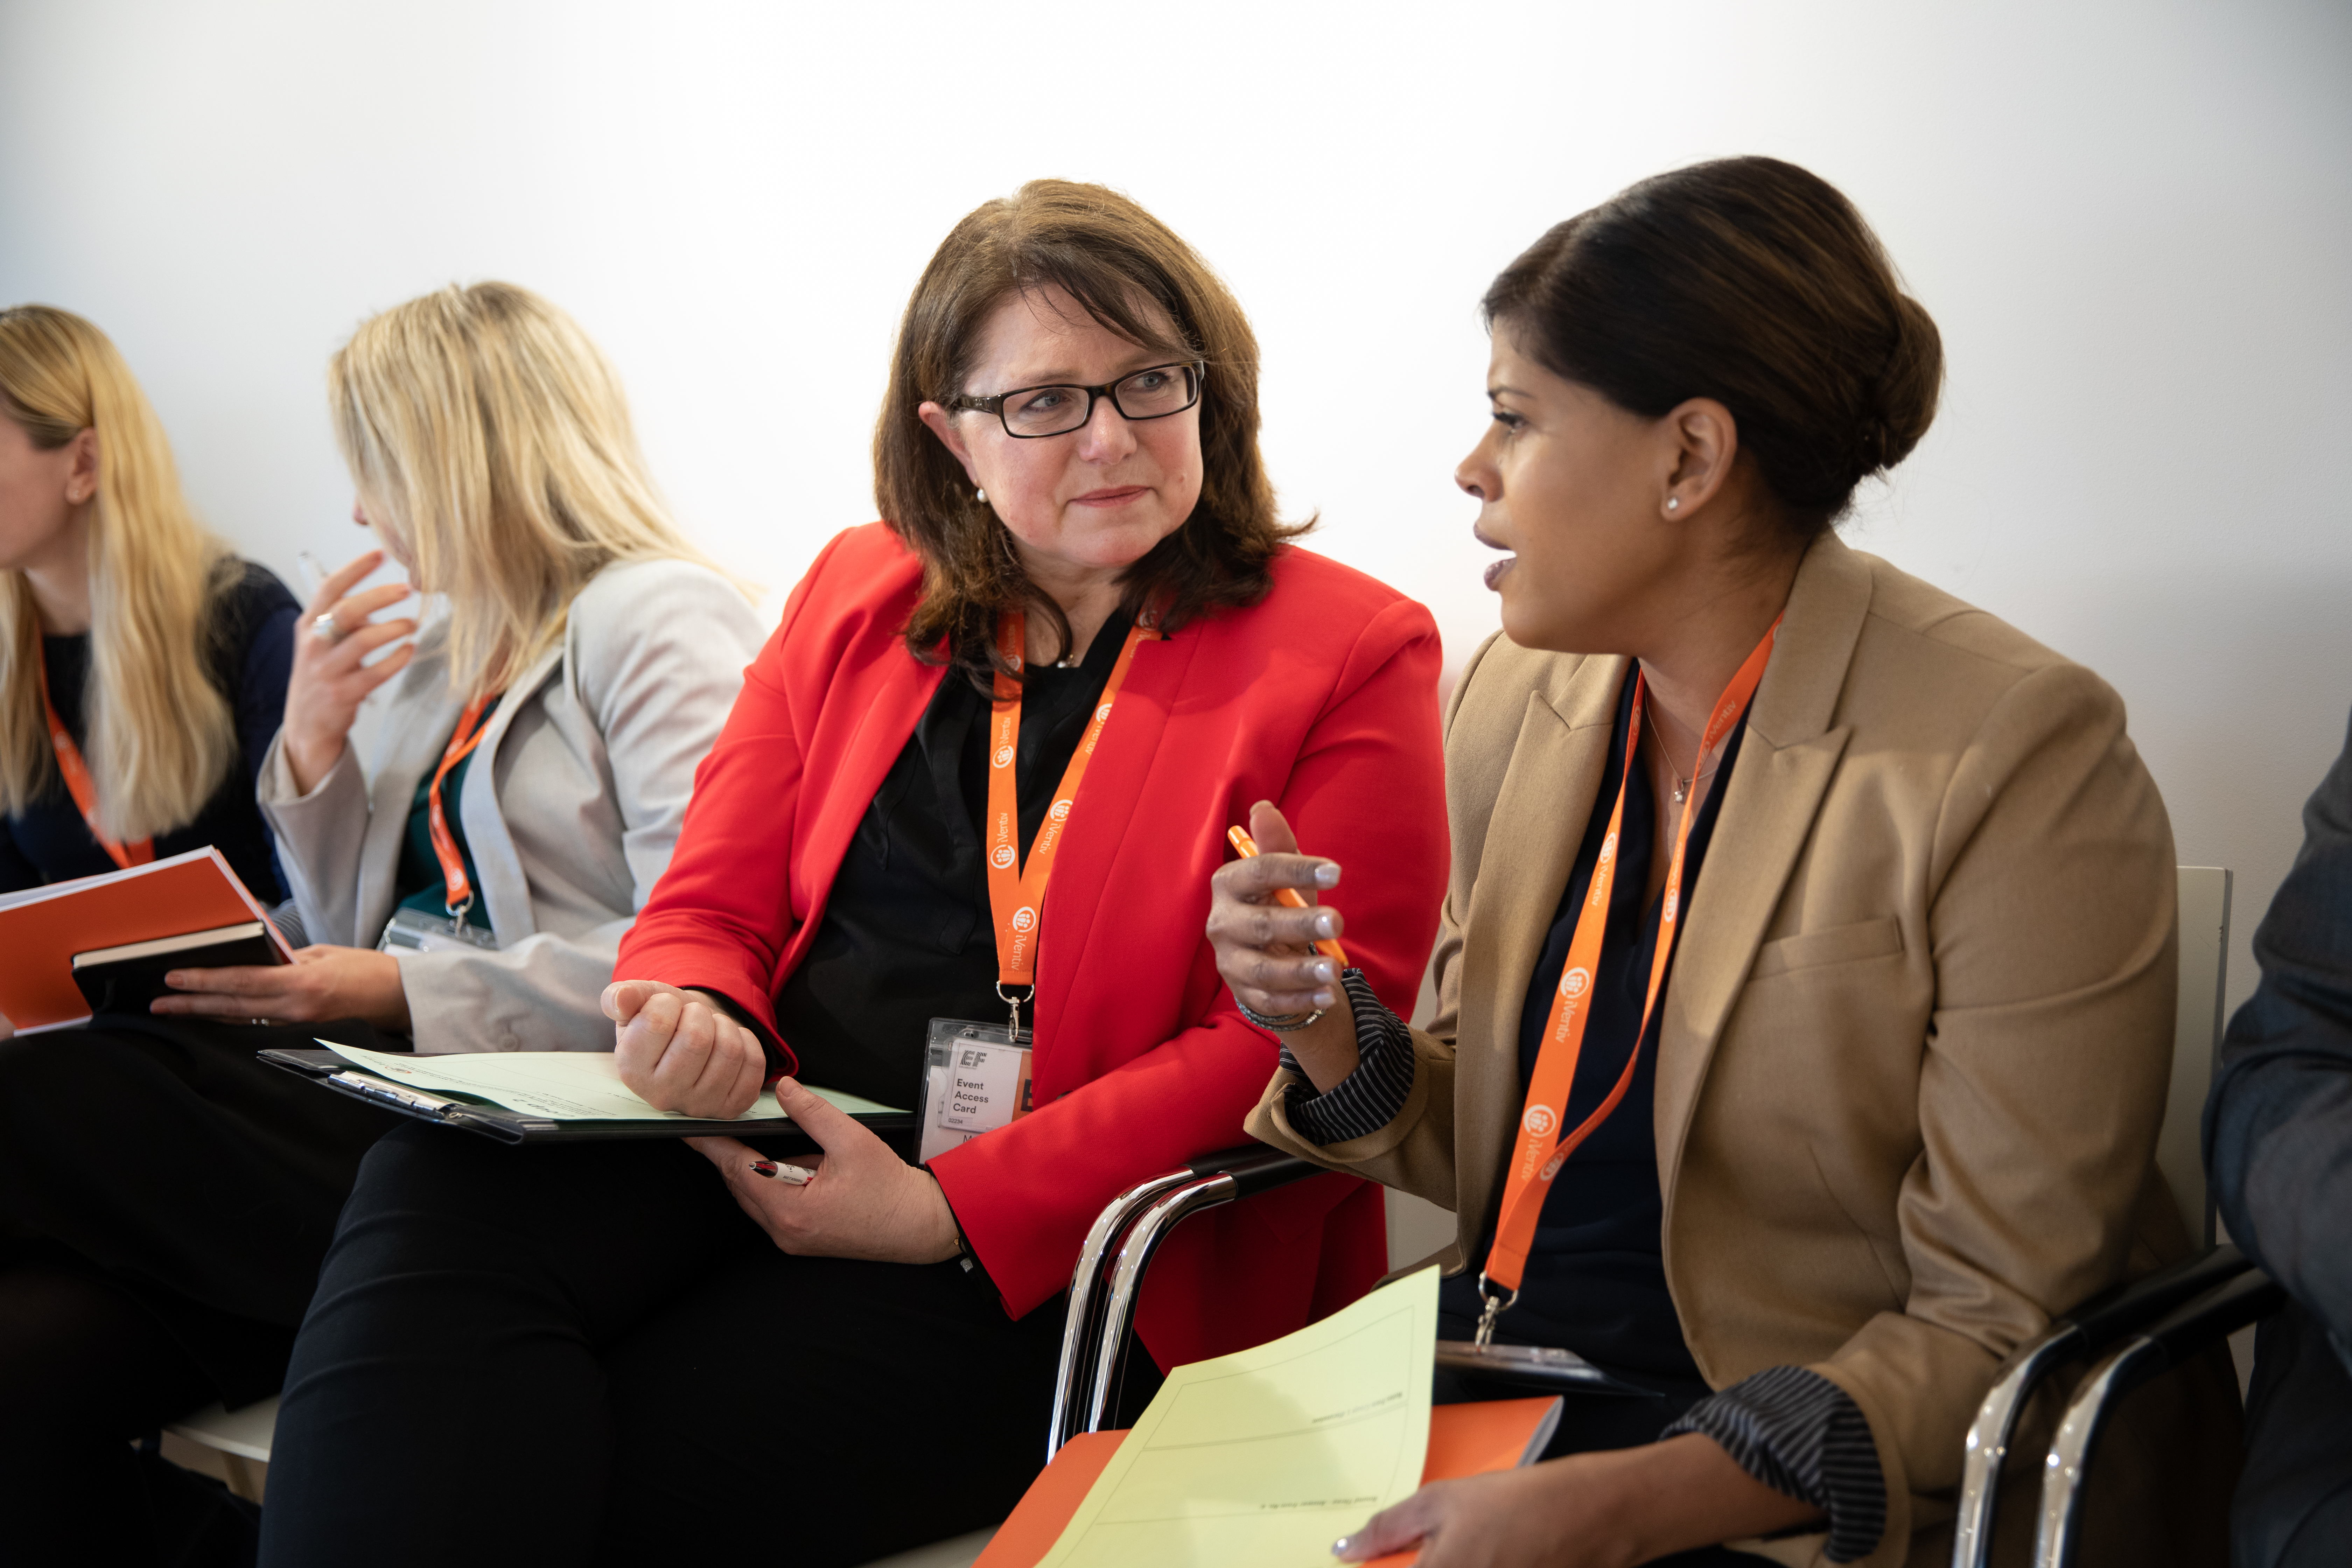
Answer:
(1539, 1150)
(78, 783)
(1016, 894)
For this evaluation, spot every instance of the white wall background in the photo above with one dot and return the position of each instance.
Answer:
(2132, 220)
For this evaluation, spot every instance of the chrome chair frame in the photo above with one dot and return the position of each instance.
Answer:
(1102, 1310)
(2179, 1334)
(2098, 1324)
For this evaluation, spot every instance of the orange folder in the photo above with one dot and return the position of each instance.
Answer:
(1464, 1440)
(42, 928)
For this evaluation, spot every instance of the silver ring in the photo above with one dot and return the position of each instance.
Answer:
(327, 629)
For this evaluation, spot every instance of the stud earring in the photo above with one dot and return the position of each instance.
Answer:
(980, 495)
(1674, 503)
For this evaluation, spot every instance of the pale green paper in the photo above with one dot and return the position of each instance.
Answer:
(1267, 1456)
(566, 1086)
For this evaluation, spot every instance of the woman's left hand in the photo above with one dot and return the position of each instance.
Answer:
(322, 983)
(863, 1201)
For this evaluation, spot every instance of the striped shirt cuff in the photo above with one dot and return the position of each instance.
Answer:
(1368, 1099)
(1803, 1436)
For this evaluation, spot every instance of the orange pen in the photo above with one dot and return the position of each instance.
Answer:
(1329, 948)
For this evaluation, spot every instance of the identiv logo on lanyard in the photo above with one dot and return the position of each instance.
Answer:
(1543, 1145)
(976, 1076)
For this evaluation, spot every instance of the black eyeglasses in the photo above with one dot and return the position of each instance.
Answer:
(1033, 412)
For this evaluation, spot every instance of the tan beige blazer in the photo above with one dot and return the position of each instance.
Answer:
(1916, 1047)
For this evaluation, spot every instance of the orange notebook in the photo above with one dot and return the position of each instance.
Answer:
(41, 928)
(1464, 1440)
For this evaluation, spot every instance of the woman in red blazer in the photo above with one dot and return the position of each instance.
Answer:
(1083, 543)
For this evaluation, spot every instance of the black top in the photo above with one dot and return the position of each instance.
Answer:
(906, 936)
(250, 656)
(1595, 1278)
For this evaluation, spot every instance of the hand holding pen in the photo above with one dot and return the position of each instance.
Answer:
(1277, 947)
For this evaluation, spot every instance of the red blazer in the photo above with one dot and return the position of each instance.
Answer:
(1322, 698)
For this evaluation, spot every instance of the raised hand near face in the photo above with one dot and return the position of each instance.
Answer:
(330, 676)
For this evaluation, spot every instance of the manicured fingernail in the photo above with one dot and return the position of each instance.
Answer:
(1324, 998)
(1324, 973)
(1327, 875)
(1323, 924)
(1340, 1546)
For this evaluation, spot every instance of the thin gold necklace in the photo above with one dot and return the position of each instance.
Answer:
(1683, 786)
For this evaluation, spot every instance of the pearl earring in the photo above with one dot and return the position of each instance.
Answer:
(980, 495)
(1674, 503)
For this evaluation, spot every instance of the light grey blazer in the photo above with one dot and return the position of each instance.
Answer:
(571, 806)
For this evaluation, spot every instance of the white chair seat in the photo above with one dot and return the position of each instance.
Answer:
(960, 1552)
(245, 1433)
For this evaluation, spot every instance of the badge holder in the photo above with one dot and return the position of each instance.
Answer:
(414, 930)
(1543, 1366)
(975, 1080)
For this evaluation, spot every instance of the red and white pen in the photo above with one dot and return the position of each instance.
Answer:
(1329, 946)
(779, 1171)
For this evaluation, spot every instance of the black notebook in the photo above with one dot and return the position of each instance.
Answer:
(125, 979)
(476, 1113)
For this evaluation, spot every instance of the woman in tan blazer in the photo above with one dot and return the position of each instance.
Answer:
(1888, 1099)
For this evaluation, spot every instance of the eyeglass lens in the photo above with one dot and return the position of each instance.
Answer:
(1152, 394)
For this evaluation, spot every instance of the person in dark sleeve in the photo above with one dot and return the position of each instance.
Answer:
(165, 1195)
(174, 716)
(2278, 1142)
(163, 660)
(1805, 981)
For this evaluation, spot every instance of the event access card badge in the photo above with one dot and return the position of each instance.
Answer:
(975, 1079)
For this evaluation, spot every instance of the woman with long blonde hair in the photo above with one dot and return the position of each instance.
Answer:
(574, 664)
(162, 657)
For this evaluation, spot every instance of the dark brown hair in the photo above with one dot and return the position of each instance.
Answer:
(1119, 263)
(1753, 282)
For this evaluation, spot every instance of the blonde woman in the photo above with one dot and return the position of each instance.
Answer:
(164, 655)
(555, 712)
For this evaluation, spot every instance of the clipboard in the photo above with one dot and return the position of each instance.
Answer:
(330, 1071)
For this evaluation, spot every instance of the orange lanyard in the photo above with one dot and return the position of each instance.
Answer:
(1540, 1151)
(1016, 894)
(137, 852)
(457, 887)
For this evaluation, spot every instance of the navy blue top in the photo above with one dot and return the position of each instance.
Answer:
(250, 654)
(1596, 1279)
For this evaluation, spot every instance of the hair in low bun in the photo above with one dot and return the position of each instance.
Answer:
(1904, 400)
(1751, 281)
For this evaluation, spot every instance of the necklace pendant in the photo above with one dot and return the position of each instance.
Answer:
(1678, 795)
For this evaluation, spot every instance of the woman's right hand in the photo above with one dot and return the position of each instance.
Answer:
(1265, 949)
(330, 680)
(678, 1050)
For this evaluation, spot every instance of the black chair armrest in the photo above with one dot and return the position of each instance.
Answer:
(2214, 1317)
(2127, 1308)
(1255, 1168)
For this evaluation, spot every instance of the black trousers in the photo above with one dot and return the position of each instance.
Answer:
(587, 1354)
(164, 1204)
